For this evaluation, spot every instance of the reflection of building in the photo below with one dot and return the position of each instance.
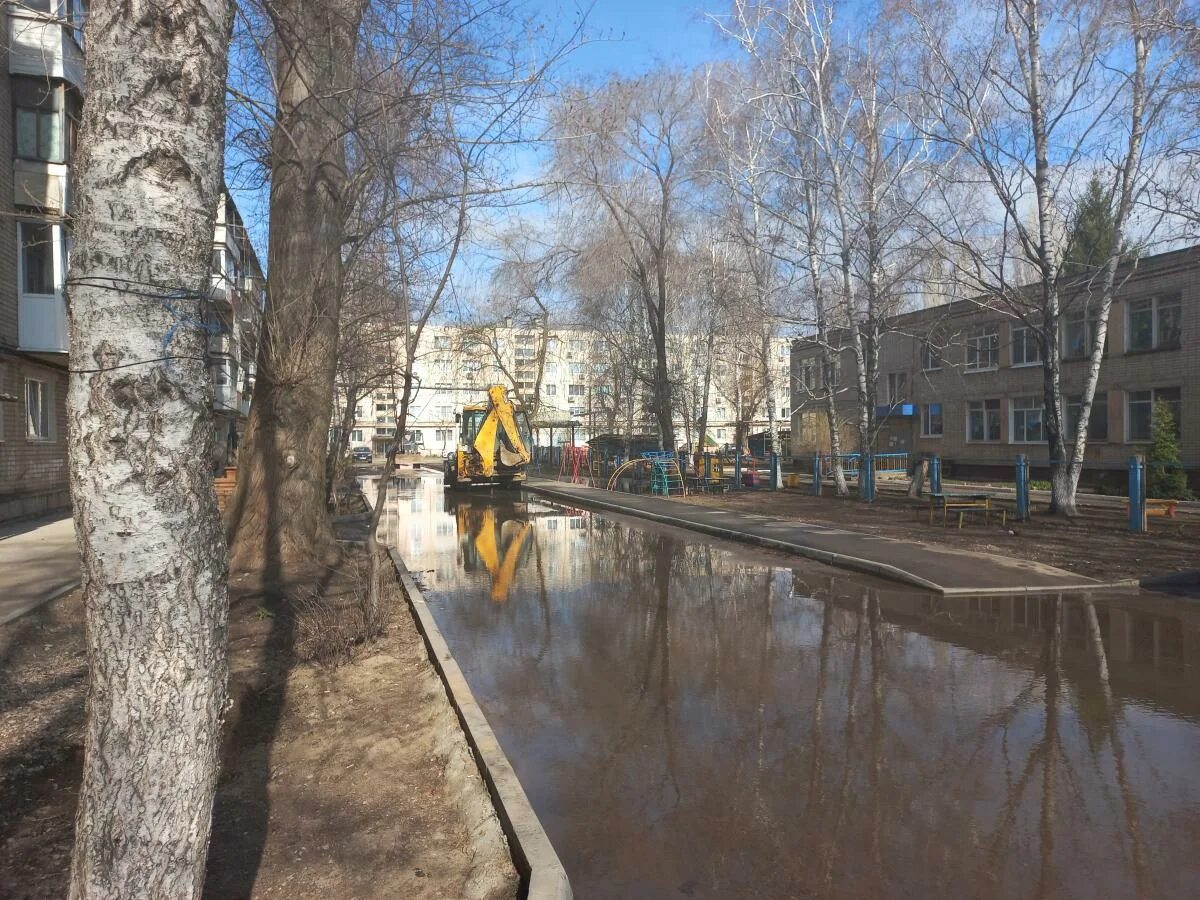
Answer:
(575, 394)
(41, 94)
(965, 382)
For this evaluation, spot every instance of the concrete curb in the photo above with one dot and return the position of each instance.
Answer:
(41, 601)
(542, 874)
(838, 560)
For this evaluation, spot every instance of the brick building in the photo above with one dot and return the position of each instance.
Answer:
(41, 91)
(964, 381)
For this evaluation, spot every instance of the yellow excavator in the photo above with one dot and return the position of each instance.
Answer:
(493, 444)
(495, 536)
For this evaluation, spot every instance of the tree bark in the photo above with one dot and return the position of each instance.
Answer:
(279, 520)
(140, 416)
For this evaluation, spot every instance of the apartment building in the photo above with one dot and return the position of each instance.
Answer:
(964, 381)
(577, 395)
(41, 93)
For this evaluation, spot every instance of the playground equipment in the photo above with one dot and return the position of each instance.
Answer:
(493, 444)
(576, 463)
(666, 478)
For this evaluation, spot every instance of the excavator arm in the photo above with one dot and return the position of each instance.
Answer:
(499, 436)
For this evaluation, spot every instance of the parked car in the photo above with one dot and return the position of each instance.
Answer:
(362, 454)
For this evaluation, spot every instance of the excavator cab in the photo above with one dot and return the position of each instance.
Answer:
(493, 445)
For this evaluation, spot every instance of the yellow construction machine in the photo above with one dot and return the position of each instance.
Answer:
(496, 536)
(493, 444)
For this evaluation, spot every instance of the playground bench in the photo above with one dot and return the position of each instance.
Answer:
(1155, 507)
(963, 502)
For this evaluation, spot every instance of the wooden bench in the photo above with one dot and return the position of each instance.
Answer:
(1155, 507)
(963, 502)
(224, 486)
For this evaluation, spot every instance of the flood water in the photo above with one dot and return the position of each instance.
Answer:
(693, 718)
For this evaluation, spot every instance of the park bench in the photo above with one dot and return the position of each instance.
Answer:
(1156, 507)
(963, 502)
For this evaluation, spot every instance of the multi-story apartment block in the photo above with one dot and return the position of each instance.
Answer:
(964, 380)
(41, 93)
(578, 396)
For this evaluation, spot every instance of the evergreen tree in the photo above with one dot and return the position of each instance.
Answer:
(1090, 241)
(1165, 477)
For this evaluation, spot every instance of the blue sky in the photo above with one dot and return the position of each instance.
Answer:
(633, 35)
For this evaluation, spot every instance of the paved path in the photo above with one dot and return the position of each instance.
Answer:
(940, 569)
(38, 562)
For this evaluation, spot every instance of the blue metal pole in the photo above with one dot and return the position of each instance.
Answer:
(1137, 494)
(737, 470)
(935, 474)
(866, 476)
(1022, 488)
(816, 475)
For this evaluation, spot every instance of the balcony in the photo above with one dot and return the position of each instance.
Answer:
(41, 185)
(225, 398)
(42, 323)
(43, 47)
(222, 344)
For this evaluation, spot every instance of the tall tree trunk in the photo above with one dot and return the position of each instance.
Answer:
(335, 462)
(279, 520)
(141, 429)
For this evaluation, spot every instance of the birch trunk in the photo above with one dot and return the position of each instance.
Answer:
(140, 417)
(278, 520)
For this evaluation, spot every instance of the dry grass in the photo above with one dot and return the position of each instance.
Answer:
(331, 629)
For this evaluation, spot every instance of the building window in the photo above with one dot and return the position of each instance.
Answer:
(441, 342)
(1026, 417)
(356, 435)
(805, 378)
(524, 353)
(1026, 348)
(983, 420)
(1155, 324)
(1097, 421)
(1080, 330)
(550, 390)
(38, 120)
(575, 390)
(983, 349)
(831, 374)
(576, 368)
(385, 432)
(39, 406)
(37, 258)
(445, 412)
(1139, 412)
(443, 434)
(931, 420)
(897, 387)
(931, 357)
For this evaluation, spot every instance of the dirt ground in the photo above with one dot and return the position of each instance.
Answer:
(1097, 545)
(346, 781)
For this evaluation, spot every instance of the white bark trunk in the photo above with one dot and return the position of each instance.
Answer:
(140, 413)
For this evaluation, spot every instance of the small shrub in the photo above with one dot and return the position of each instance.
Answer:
(329, 630)
(1165, 478)
(1039, 485)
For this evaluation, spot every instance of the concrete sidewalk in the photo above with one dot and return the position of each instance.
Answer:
(939, 569)
(38, 562)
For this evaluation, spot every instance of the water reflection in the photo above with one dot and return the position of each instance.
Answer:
(693, 718)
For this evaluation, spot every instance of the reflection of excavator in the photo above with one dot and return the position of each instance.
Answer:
(493, 445)
(495, 538)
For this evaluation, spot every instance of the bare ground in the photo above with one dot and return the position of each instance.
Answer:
(346, 781)
(1097, 545)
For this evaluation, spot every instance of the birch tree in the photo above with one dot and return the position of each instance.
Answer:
(148, 176)
(1031, 98)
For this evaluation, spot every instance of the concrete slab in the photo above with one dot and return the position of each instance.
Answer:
(940, 569)
(39, 561)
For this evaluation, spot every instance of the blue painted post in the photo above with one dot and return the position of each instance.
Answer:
(816, 478)
(707, 466)
(866, 477)
(1137, 494)
(1022, 488)
(737, 470)
(935, 474)
(774, 471)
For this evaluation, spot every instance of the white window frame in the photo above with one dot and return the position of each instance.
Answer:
(45, 407)
(929, 356)
(999, 421)
(1013, 410)
(1024, 336)
(58, 259)
(1153, 392)
(1099, 401)
(988, 333)
(1175, 299)
(897, 387)
(925, 432)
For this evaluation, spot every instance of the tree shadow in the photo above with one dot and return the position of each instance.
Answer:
(242, 808)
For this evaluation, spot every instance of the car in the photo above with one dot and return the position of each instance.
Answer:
(362, 454)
